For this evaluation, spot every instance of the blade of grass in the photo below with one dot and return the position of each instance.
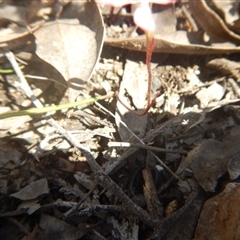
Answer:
(35, 111)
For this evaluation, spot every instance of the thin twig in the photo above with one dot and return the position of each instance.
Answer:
(101, 208)
(75, 208)
(151, 148)
(190, 18)
(45, 79)
(235, 86)
(166, 167)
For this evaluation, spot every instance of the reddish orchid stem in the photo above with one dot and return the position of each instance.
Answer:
(149, 50)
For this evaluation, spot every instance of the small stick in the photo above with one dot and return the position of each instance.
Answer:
(151, 148)
(165, 166)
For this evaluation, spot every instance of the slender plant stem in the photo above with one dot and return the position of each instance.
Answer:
(149, 50)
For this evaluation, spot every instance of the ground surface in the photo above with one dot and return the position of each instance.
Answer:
(170, 174)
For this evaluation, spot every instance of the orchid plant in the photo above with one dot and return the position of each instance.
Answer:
(147, 24)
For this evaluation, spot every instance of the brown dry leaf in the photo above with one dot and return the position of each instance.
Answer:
(72, 44)
(209, 160)
(211, 22)
(178, 42)
(225, 66)
(219, 219)
(172, 41)
(229, 10)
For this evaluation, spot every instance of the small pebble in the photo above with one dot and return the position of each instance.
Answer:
(111, 75)
(5, 109)
(120, 72)
(26, 103)
(124, 27)
(117, 29)
(37, 92)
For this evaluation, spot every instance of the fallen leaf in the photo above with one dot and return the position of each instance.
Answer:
(9, 154)
(219, 219)
(178, 42)
(211, 22)
(234, 167)
(31, 206)
(209, 160)
(215, 92)
(225, 66)
(75, 46)
(172, 41)
(229, 10)
(33, 190)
